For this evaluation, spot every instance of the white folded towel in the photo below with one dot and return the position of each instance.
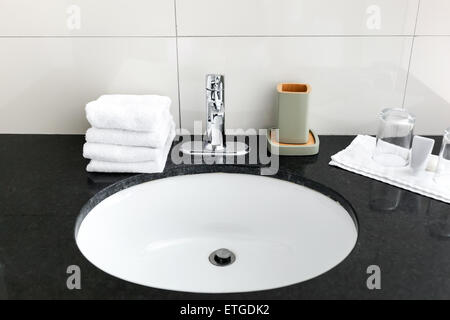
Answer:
(128, 112)
(154, 166)
(155, 139)
(118, 153)
(114, 153)
(357, 157)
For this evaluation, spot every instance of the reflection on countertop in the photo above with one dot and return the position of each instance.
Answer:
(3, 290)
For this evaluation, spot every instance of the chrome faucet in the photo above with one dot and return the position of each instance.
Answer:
(214, 140)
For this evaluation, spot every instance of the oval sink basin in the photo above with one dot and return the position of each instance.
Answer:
(217, 233)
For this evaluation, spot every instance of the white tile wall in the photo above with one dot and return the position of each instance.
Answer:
(96, 17)
(428, 94)
(46, 82)
(434, 17)
(428, 91)
(295, 17)
(355, 53)
(351, 78)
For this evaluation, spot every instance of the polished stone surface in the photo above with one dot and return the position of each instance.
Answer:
(44, 186)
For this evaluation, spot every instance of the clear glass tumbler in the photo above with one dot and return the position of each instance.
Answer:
(394, 138)
(442, 175)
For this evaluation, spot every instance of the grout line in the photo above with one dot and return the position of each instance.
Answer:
(82, 36)
(219, 36)
(432, 35)
(301, 36)
(411, 56)
(178, 62)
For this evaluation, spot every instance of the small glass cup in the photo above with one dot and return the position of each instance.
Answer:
(442, 175)
(394, 138)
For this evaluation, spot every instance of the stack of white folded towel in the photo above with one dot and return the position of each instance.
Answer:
(130, 133)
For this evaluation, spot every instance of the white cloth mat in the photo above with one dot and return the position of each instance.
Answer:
(357, 158)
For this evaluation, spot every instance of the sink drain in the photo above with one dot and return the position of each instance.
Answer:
(222, 258)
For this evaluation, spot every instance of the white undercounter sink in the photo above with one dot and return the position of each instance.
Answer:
(165, 233)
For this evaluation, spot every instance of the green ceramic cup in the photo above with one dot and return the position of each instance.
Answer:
(293, 106)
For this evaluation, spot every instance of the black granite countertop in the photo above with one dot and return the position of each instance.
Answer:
(44, 185)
